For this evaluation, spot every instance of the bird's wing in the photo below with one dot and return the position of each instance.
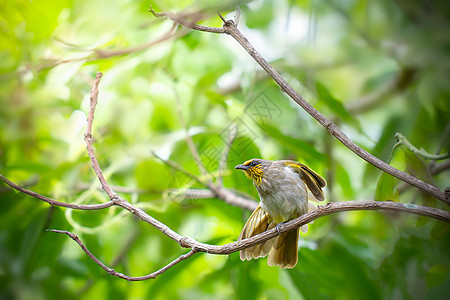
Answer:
(258, 222)
(313, 181)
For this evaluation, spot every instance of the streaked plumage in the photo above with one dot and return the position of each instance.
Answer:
(283, 189)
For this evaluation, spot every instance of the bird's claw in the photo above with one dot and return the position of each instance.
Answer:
(278, 227)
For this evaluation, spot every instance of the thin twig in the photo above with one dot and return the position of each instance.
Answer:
(403, 140)
(435, 170)
(220, 192)
(54, 202)
(444, 141)
(182, 20)
(177, 167)
(116, 260)
(440, 167)
(97, 54)
(111, 194)
(329, 125)
(113, 272)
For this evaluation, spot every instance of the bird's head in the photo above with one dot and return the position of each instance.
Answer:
(254, 169)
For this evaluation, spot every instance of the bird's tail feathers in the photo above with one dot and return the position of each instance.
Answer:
(284, 251)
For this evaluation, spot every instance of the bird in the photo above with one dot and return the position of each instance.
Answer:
(283, 187)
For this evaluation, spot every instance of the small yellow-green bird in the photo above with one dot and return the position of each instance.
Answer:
(283, 189)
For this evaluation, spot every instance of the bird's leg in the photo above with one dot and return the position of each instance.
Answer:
(278, 227)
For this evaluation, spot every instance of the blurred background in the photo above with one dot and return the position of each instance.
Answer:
(373, 67)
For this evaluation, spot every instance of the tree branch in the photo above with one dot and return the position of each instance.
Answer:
(54, 202)
(195, 246)
(114, 272)
(231, 29)
(182, 20)
(95, 54)
(218, 190)
(324, 210)
(115, 198)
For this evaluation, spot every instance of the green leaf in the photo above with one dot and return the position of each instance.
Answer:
(152, 175)
(261, 16)
(303, 150)
(336, 106)
(383, 146)
(386, 188)
(344, 180)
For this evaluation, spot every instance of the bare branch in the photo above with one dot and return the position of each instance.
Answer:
(231, 198)
(115, 273)
(329, 125)
(328, 209)
(96, 54)
(54, 202)
(337, 207)
(195, 246)
(440, 167)
(180, 168)
(230, 28)
(218, 191)
(111, 194)
(182, 20)
(88, 139)
(115, 261)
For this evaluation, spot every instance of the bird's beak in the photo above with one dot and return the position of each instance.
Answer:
(241, 167)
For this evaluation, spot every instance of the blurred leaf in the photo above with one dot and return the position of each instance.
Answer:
(383, 147)
(152, 175)
(336, 106)
(315, 268)
(344, 180)
(247, 285)
(436, 274)
(416, 166)
(386, 188)
(302, 149)
(261, 16)
(439, 231)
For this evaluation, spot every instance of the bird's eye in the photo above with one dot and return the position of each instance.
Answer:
(253, 163)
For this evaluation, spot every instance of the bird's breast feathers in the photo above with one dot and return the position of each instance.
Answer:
(284, 198)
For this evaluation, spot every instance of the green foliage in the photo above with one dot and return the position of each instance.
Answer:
(335, 54)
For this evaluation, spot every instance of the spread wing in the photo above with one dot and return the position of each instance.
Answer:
(258, 222)
(313, 181)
